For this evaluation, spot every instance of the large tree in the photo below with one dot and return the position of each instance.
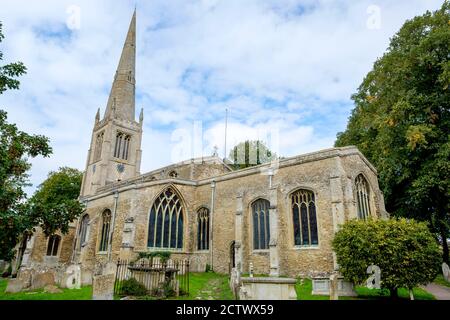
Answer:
(55, 203)
(401, 121)
(15, 148)
(250, 153)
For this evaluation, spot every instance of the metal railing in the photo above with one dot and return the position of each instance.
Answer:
(159, 278)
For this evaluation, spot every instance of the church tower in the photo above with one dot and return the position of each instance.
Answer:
(115, 151)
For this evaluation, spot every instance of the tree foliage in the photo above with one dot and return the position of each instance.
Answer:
(15, 148)
(250, 153)
(405, 250)
(401, 121)
(9, 72)
(55, 203)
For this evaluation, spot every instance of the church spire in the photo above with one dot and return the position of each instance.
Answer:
(122, 95)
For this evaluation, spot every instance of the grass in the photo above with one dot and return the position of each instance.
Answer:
(85, 293)
(304, 293)
(441, 281)
(204, 286)
(208, 285)
(304, 289)
(419, 293)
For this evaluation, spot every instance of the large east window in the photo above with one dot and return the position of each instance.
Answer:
(165, 227)
(304, 218)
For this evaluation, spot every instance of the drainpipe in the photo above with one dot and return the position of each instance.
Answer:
(111, 230)
(213, 188)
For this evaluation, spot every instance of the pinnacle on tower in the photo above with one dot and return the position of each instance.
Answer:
(97, 116)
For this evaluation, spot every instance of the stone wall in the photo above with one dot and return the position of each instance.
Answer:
(329, 174)
(38, 252)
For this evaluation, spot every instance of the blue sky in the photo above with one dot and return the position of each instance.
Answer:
(278, 65)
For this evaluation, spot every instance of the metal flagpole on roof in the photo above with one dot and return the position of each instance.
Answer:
(225, 144)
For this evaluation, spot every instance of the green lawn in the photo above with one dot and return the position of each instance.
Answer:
(203, 286)
(208, 285)
(304, 293)
(85, 293)
(441, 281)
(304, 289)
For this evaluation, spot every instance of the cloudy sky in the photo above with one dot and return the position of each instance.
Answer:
(284, 69)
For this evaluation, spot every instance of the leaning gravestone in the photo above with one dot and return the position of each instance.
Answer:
(40, 280)
(446, 271)
(334, 287)
(14, 286)
(103, 287)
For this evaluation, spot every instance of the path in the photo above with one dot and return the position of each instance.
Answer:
(211, 291)
(440, 292)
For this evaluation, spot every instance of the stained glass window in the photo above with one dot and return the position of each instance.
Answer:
(304, 218)
(165, 228)
(261, 227)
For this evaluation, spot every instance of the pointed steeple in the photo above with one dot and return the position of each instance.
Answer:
(122, 95)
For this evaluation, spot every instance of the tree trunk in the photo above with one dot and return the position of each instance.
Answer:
(394, 293)
(445, 253)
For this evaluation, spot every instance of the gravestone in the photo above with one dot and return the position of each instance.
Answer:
(72, 277)
(52, 289)
(103, 287)
(14, 286)
(446, 272)
(267, 288)
(25, 275)
(321, 286)
(40, 280)
(334, 287)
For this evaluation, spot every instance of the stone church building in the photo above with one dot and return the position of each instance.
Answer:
(279, 216)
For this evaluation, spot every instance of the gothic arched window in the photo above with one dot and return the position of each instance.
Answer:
(98, 146)
(362, 197)
(84, 229)
(122, 145)
(106, 224)
(53, 244)
(261, 226)
(304, 218)
(165, 228)
(203, 229)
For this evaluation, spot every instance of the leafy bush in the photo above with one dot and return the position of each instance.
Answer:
(132, 287)
(404, 250)
(164, 256)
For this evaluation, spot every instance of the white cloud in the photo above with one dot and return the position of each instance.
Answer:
(286, 64)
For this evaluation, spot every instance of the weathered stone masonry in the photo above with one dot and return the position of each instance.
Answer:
(112, 181)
